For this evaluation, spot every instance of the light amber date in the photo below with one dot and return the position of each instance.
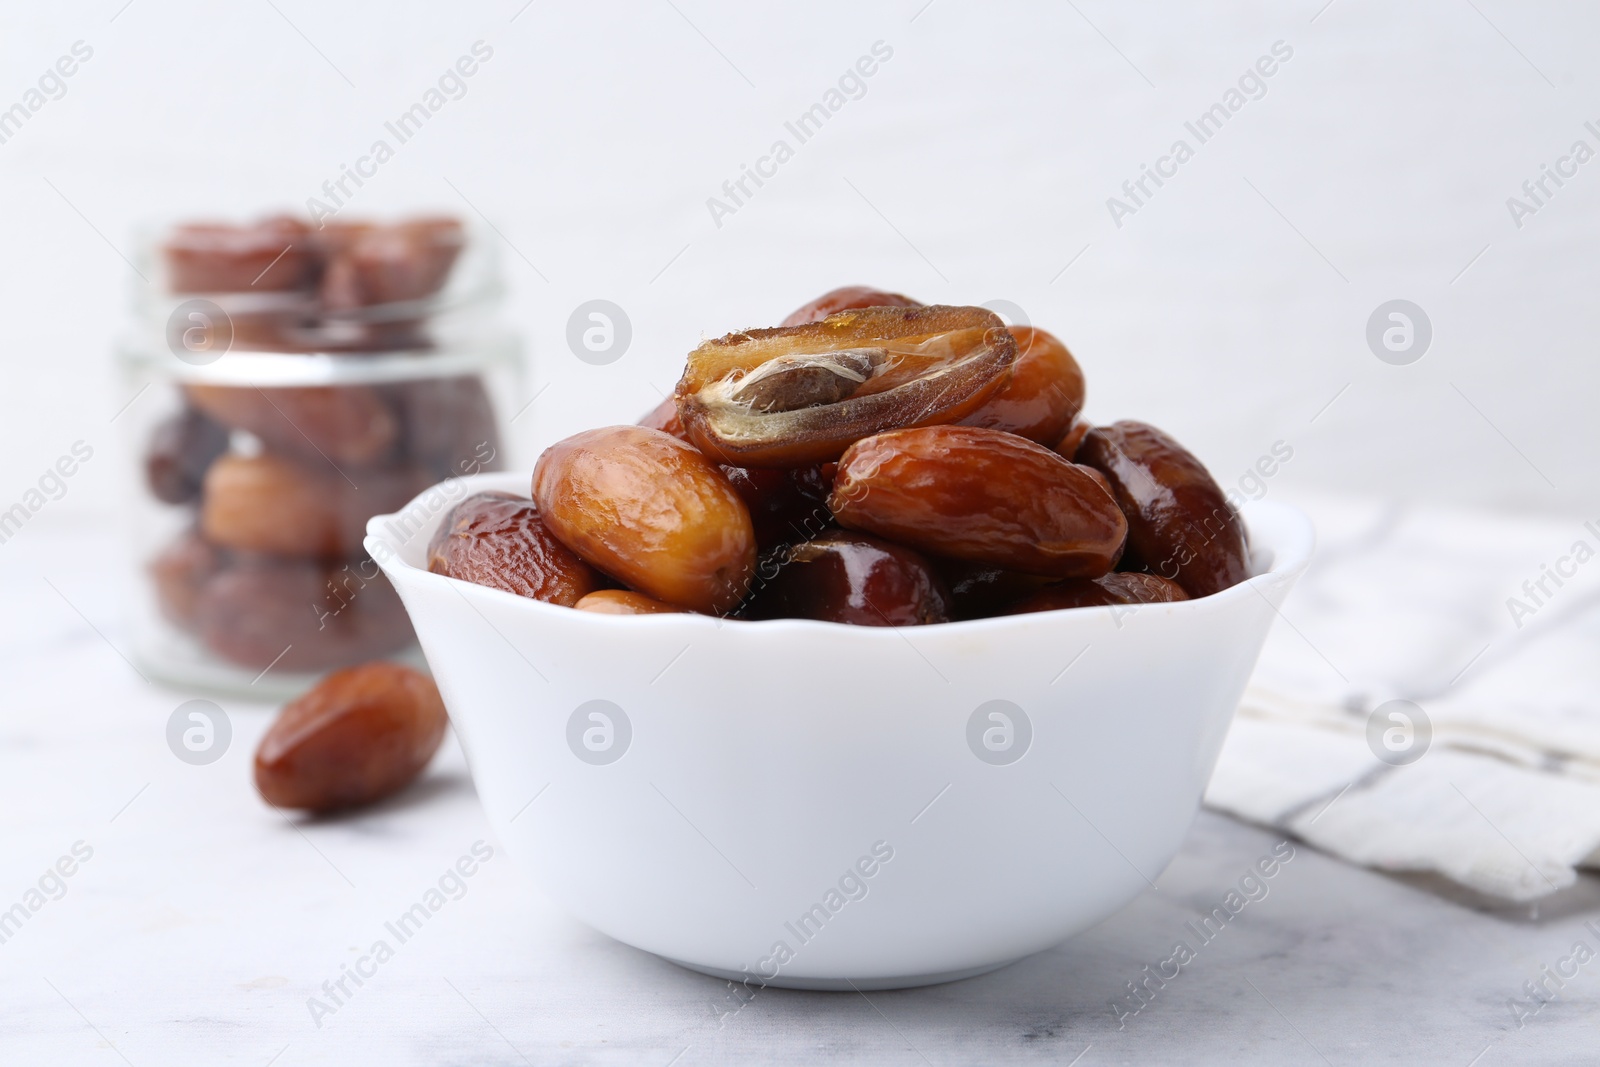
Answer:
(650, 511)
(980, 495)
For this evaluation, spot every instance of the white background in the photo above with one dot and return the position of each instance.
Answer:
(976, 166)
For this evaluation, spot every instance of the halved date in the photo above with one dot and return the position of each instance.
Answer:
(850, 577)
(499, 540)
(794, 395)
(651, 511)
(1179, 521)
(980, 495)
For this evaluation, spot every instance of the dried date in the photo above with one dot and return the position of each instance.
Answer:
(1180, 522)
(980, 495)
(790, 396)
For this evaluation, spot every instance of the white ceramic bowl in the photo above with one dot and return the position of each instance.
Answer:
(807, 804)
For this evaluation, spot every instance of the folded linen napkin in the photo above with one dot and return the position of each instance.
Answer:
(1430, 699)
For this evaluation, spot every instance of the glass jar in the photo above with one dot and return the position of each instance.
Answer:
(288, 384)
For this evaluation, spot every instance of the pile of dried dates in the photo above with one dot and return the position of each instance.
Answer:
(872, 461)
(280, 480)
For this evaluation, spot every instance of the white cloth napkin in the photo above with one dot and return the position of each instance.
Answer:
(1488, 623)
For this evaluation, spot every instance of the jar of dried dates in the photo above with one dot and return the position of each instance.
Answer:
(288, 383)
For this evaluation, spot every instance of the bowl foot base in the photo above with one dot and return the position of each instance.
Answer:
(847, 985)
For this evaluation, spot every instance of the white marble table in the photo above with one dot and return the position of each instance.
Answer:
(202, 922)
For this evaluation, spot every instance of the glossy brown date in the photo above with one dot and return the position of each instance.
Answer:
(850, 577)
(980, 495)
(795, 395)
(624, 602)
(981, 590)
(181, 448)
(274, 505)
(1041, 396)
(846, 298)
(499, 540)
(1179, 521)
(786, 506)
(345, 424)
(651, 511)
(359, 735)
(1106, 590)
